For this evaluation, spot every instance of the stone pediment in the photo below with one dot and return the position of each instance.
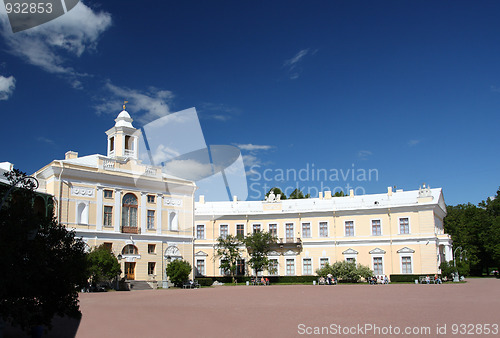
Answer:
(290, 253)
(350, 252)
(273, 253)
(405, 250)
(377, 251)
(201, 253)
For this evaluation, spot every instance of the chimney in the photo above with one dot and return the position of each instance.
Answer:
(71, 155)
(389, 191)
(351, 193)
(328, 195)
(235, 198)
(320, 195)
(202, 199)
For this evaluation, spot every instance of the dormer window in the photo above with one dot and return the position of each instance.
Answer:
(129, 143)
(111, 144)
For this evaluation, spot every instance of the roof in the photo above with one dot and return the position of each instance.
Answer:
(371, 201)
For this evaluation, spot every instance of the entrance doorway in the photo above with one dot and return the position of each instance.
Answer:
(130, 270)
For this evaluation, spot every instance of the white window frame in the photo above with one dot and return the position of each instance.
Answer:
(294, 267)
(406, 254)
(220, 229)
(383, 264)
(204, 232)
(371, 226)
(269, 228)
(312, 266)
(236, 229)
(293, 230)
(327, 229)
(353, 228)
(302, 229)
(399, 225)
(319, 261)
(204, 267)
(253, 227)
(277, 273)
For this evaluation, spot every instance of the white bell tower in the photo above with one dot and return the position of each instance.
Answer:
(122, 138)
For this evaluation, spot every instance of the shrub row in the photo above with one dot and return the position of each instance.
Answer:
(407, 278)
(205, 281)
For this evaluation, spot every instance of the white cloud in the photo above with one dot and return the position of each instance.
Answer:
(253, 147)
(364, 154)
(7, 86)
(412, 143)
(220, 112)
(188, 169)
(47, 46)
(292, 64)
(153, 103)
(45, 140)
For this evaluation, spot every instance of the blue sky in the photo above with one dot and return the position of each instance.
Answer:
(409, 89)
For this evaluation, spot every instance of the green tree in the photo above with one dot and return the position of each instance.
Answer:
(178, 271)
(258, 246)
(103, 265)
(339, 194)
(228, 250)
(298, 194)
(277, 191)
(45, 266)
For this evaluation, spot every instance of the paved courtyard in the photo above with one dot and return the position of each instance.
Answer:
(294, 310)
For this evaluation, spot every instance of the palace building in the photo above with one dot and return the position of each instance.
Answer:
(144, 216)
(399, 232)
(148, 218)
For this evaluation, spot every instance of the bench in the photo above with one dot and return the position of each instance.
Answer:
(422, 280)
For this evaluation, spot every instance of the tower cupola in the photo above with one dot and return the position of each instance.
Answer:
(122, 138)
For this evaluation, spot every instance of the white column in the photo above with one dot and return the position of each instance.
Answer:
(448, 251)
(159, 201)
(117, 211)
(98, 221)
(136, 148)
(144, 210)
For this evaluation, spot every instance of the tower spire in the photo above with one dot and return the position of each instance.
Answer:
(124, 103)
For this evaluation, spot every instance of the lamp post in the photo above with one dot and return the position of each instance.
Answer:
(462, 252)
(118, 276)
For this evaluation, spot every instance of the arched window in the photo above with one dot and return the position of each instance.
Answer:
(130, 250)
(129, 211)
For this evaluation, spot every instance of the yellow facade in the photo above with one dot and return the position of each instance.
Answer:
(144, 216)
(394, 233)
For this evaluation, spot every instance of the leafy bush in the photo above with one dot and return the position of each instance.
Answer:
(345, 271)
(178, 271)
(404, 278)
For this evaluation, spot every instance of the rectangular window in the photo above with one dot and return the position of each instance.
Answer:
(350, 260)
(376, 228)
(378, 269)
(151, 219)
(349, 228)
(406, 265)
(404, 225)
(307, 266)
(108, 245)
(223, 272)
(200, 267)
(108, 216)
(240, 230)
(273, 267)
(151, 198)
(200, 231)
(323, 229)
(290, 267)
(323, 262)
(151, 248)
(151, 268)
(273, 230)
(289, 232)
(224, 230)
(240, 267)
(306, 230)
(112, 144)
(108, 193)
(256, 228)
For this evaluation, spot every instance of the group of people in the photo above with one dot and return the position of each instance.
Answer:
(374, 280)
(437, 280)
(329, 280)
(262, 280)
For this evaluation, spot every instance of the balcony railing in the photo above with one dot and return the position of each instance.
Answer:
(131, 230)
(289, 242)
